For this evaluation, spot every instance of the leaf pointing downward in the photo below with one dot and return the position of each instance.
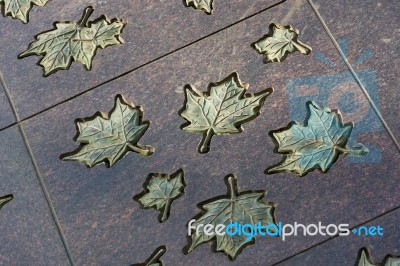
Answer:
(315, 145)
(161, 191)
(74, 41)
(19, 9)
(205, 5)
(279, 42)
(244, 208)
(110, 138)
(222, 111)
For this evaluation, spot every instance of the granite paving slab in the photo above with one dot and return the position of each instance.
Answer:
(7, 115)
(344, 250)
(27, 230)
(105, 226)
(369, 32)
(154, 29)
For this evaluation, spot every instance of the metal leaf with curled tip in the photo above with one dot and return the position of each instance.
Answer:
(71, 41)
(365, 260)
(243, 208)
(316, 145)
(154, 259)
(109, 138)
(279, 42)
(5, 199)
(204, 5)
(19, 9)
(160, 191)
(222, 110)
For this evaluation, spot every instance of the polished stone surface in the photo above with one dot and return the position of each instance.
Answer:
(105, 226)
(28, 232)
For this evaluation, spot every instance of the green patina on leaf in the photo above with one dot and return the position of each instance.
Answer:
(316, 145)
(222, 111)
(5, 199)
(204, 5)
(365, 260)
(160, 191)
(154, 259)
(74, 41)
(109, 138)
(244, 208)
(19, 9)
(279, 42)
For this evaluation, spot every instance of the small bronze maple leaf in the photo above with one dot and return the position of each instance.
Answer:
(19, 9)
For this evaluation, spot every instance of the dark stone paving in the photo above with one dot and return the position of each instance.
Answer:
(102, 223)
(105, 226)
(370, 32)
(7, 116)
(154, 28)
(344, 250)
(28, 233)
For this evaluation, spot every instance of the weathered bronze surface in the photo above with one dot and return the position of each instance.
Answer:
(19, 9)
(108, 138)
(74, 41)
(204, 5)
(244, 208)
(279, 42)
(316, 145)
(5, 199)
(365, 260)
(160, 190)
(222, 110)
(154, 259)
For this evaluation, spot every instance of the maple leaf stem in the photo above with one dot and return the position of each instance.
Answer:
(145, 150)
(157, 256)
(205, 144)
(302, 49)
(166, 210)
(232, 187)
(356, 151)
(86, 15)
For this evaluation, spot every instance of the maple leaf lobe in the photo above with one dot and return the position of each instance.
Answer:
(203, 5)
(19, 9)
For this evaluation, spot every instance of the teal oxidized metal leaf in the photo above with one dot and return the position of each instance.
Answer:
(244, 208)
(365, 260)
(74, 41)
(204, 5)
(19, 9)
(154, 259)
(160, 191)
(279, 42)
(222, 110)
(5, 199)
(109, 138)
(314, 145)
